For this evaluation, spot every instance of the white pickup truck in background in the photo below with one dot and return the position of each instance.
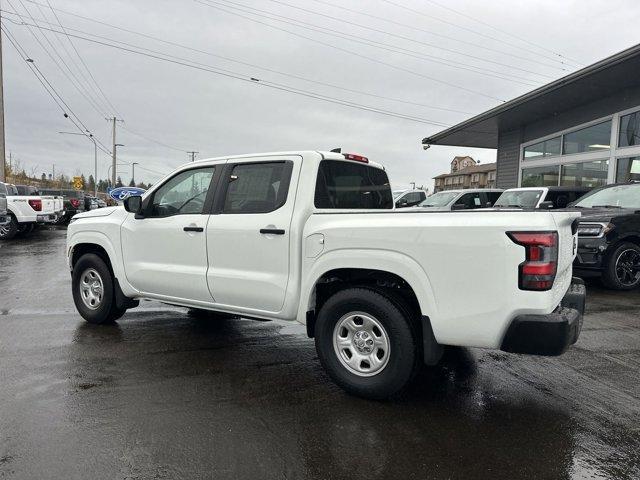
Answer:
(26, 211)
(312, 236)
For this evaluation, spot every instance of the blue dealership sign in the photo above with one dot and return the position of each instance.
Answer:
(120, 193)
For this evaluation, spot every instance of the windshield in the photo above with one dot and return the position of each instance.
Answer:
(620, 196)
(519, 199)
(397, 193)
(439, 199)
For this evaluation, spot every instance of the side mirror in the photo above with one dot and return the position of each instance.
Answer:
(458, 206)
(133, 204)
(546, 205)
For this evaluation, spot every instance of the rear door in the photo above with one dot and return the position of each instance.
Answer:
(248, 237)
(471, 200)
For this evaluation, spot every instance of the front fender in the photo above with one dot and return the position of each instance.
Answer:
(384, 260)
(99, 238)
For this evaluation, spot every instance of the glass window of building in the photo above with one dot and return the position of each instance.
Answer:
(595, 137)
(629, 130)
(585, 174)
(540, 176)
(547, 148)
(628, 169)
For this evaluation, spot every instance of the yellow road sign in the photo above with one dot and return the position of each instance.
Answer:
(78, 183)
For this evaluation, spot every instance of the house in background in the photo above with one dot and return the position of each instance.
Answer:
(466, 173)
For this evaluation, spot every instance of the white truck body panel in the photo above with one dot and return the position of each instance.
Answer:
(231, 267)
(19, 206)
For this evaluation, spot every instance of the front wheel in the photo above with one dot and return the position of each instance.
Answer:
(622, 271)
(93, 290)
(9, 230)
(368, 344)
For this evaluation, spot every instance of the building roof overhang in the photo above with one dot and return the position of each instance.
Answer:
(603, 78)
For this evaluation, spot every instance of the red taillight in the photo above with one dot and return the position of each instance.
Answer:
(356, 158)
(75, 202)
(36, 204)
(538, 271)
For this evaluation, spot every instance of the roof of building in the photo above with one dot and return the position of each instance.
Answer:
(596, 81)
(486, 167)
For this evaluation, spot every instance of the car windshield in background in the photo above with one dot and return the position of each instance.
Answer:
(518, 199)
(397, 193)
(619, 196)
(439, 199)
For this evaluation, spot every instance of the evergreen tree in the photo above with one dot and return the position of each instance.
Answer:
(119, 182)
(132, 183)
(91, 184)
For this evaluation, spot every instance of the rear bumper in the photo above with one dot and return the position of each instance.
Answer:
(549, 334)
(48, 218)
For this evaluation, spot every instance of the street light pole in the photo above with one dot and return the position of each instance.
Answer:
(133, 172)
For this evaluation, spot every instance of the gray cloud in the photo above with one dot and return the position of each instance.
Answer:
(196, 110)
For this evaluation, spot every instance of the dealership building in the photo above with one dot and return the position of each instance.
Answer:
(580, 130)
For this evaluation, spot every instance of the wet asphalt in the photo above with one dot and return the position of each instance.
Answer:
(164, 395)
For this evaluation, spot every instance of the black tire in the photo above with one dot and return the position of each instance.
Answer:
(25, 229)
(105, 310)
(402, 333)
(622, 269)
(9, 230)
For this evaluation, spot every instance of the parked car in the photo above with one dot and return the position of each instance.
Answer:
(92, 202)
(26, 190)
(609, 235)
(408, 198)
(460, 199)
(540, 197)
(73, 201)
(25, 212)
(4, 216)
(313, 236)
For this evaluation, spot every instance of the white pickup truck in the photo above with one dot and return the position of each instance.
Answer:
(312, 236)
(26, 211)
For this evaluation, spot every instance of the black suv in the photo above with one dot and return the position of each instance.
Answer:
(74, 201)
(609, 235)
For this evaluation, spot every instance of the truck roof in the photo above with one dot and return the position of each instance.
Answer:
(324, 154)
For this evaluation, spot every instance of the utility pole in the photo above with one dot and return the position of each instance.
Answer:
(133, 172)
(54, 172)
(2, 152)
(113, 149)
(193, 155)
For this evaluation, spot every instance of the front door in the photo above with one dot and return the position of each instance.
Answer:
(248, 239)
(165, 253)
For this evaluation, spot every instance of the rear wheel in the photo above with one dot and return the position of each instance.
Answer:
(367, 344)
(9, 230)
(622, 271)
(93, 290)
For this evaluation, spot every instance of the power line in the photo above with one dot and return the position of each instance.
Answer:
(439, 47)
(51, 91)
(265, 83)
(418, 12)
(504, 32)
(436, 34)
(70, 76)
(229, 59)
(351, 52)
(152, 140)
(97, 85)
(384, 46)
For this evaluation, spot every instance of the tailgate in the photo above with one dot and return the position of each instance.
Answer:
(567, 226)
(48, 204)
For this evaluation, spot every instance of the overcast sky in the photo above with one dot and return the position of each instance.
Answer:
(191, 109)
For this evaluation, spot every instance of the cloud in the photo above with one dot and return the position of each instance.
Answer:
(216, 115)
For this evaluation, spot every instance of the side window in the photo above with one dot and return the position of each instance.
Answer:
(3, 190)
(185, 193)
(471, 200)
(257, 187)
(422, 196)
(492, 197)
(344, 184)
